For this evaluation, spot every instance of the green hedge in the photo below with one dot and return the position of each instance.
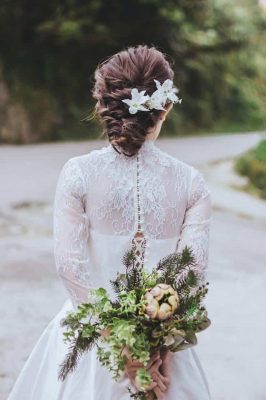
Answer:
(253, 165)
(49, 51)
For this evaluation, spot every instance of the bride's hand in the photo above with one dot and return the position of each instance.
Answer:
(160, 382)
(132, 366)
(158, 378)
(165, 368)
(161, 376)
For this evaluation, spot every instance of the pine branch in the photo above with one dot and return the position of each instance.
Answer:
(176, 261)
(131, 279)
(176, 267)
(77, 348)
(187, 279)
(189, 301)
(169, 261)
(128, 259)
(187, 256)
(133, 274)
(117, 284)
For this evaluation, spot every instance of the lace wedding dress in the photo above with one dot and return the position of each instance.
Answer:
(94, 223)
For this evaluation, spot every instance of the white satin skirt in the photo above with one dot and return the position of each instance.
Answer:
(38, 380)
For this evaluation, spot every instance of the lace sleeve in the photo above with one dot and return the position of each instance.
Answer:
(71, 232)
(196, 225)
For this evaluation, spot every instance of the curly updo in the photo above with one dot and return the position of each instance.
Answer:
(114, 78)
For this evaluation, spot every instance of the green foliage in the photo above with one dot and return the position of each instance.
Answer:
(143, 378)
(253, 165)
(260, 151)
(78, 346)
(132, 331)
(53, 48)
(171, 266)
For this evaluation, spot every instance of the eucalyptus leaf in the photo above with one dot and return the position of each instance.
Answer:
(182, 346)
(203, 325)
(191, 337)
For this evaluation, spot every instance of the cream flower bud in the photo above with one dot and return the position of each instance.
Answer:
(153, 308)
(156, 291)
(164, 312)
(174, 301)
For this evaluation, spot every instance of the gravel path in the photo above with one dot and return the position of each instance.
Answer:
(232, 351)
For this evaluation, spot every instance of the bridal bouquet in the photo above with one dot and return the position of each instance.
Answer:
(162, 309)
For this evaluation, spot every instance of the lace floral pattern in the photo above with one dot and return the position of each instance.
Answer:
(71, 231)
(110, 178)
(196, 225)
(95, 192)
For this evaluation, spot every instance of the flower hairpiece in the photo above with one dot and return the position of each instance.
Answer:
(165, 93)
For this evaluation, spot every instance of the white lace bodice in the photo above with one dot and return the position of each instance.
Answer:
(95, 213)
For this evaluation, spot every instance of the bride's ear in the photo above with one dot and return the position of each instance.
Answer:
(164, 113)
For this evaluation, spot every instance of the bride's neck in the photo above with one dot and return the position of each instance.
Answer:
(154, 133)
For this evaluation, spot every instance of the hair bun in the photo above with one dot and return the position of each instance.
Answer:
(114, 78)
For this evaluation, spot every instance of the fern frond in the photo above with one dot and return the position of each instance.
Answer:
(77, 348)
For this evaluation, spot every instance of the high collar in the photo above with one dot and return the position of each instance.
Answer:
(147, 146)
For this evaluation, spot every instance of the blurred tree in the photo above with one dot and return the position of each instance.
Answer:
(49, 50)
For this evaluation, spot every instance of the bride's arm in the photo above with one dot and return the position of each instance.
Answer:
(71, 232)
(195, 233)
(195, 230)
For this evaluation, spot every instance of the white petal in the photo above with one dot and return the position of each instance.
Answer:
(168, 84)
(127, 101)
(159, 107)
(144, 99)
(156, 94)
(163, 99)
(134, 94)
(158, 85)
(171, 96)
(158, 97)
(141, 108)
(132, 110)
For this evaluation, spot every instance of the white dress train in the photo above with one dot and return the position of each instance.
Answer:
(94, 223)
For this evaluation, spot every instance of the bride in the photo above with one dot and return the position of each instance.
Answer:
(96, 217)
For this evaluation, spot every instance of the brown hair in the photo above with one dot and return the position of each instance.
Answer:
(114, 78)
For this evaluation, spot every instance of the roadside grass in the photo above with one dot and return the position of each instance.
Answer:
(252, 164)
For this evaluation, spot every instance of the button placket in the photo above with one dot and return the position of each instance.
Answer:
(139, 241)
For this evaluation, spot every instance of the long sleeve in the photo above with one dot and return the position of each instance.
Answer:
(195, 230)
(71, 232)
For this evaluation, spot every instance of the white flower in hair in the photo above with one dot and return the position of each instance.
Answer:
(156, 101)
(166, 91)
(137, 100)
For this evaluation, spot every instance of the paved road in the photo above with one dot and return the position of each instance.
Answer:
(233, 350)
(30, 172)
